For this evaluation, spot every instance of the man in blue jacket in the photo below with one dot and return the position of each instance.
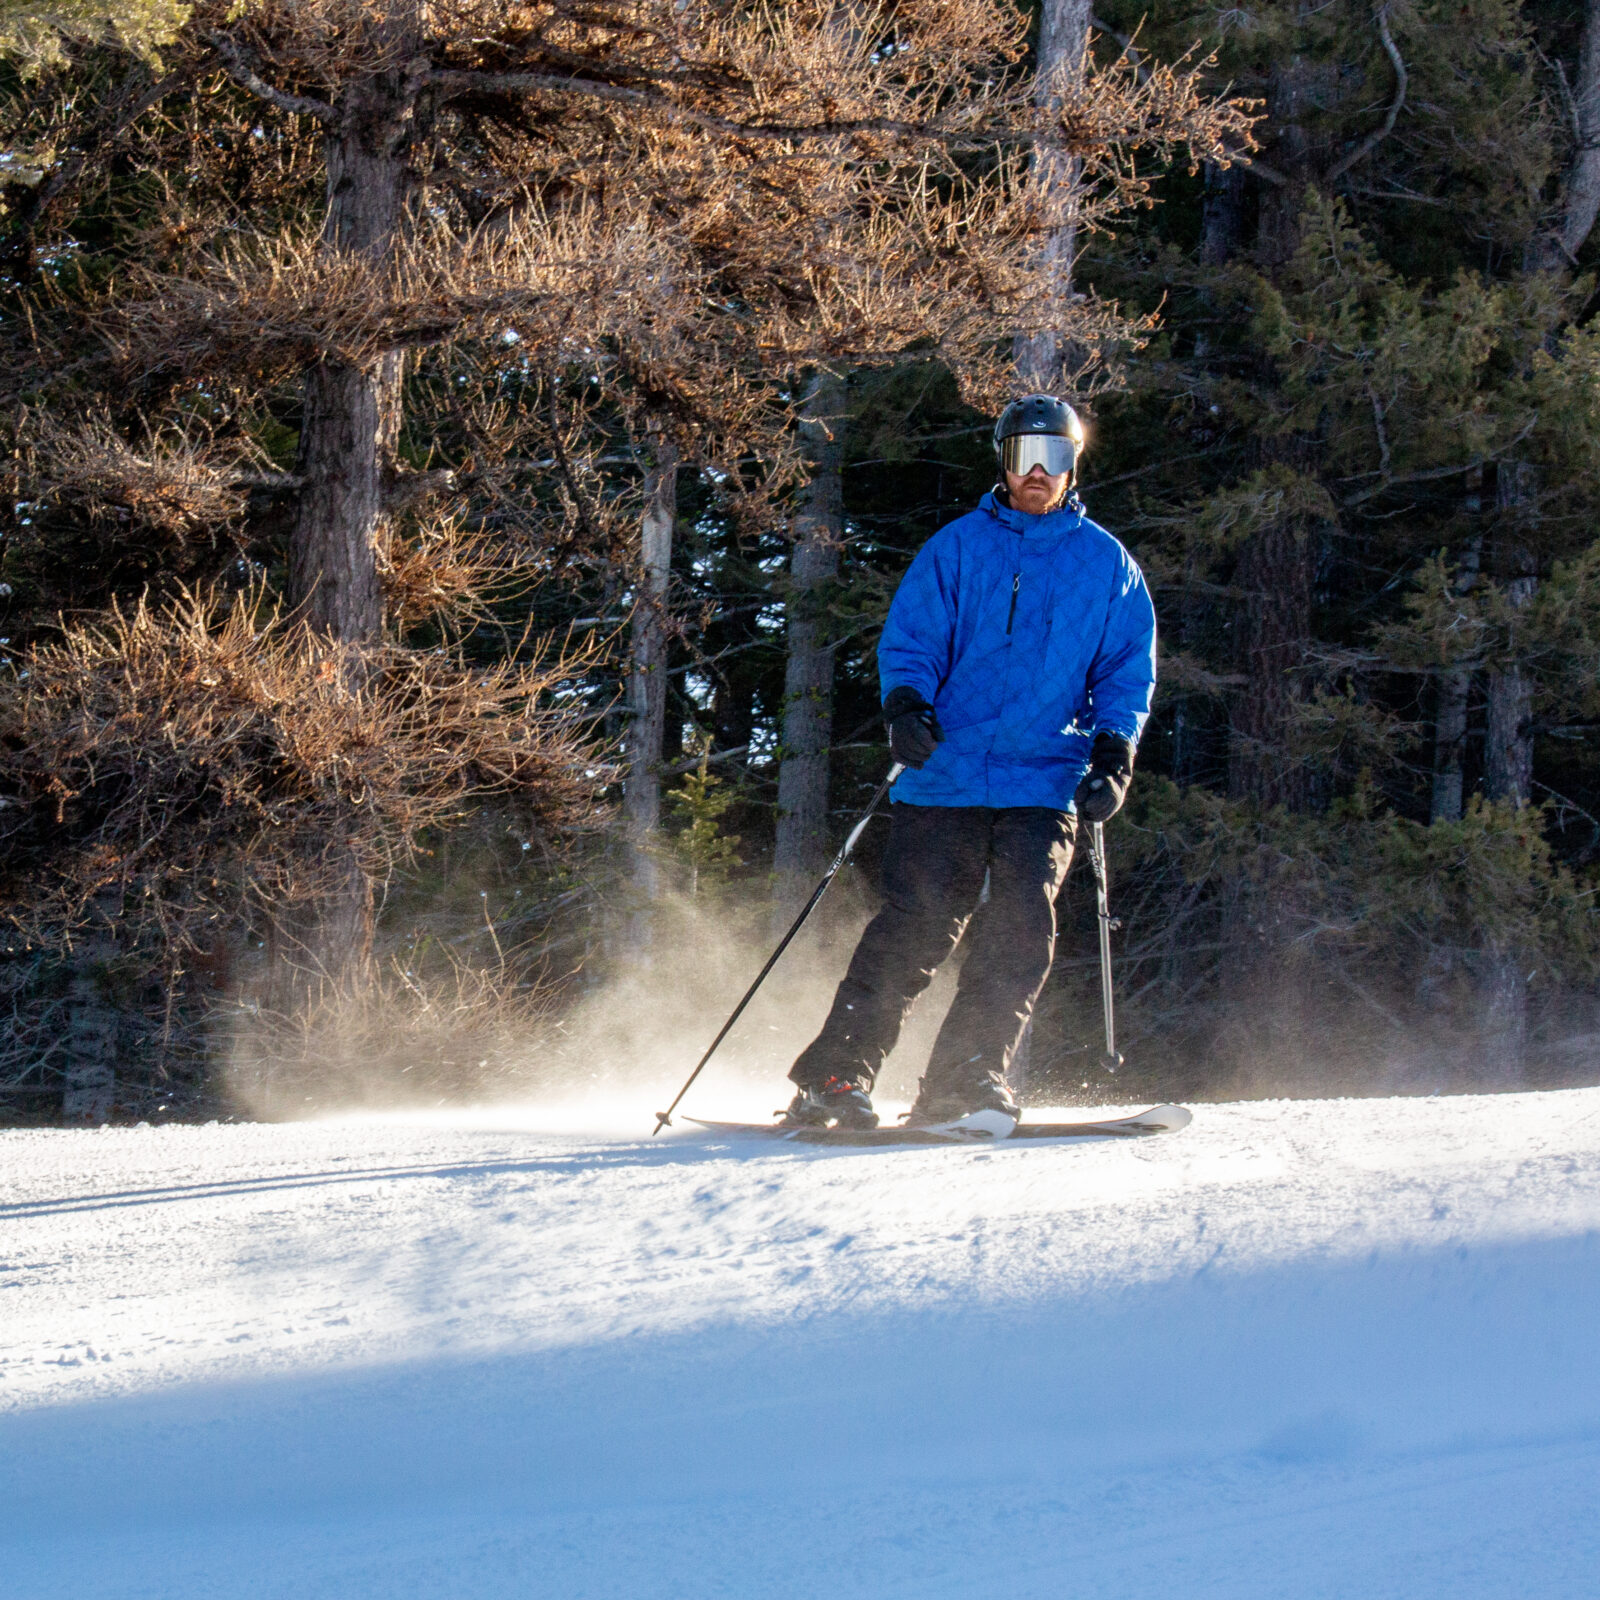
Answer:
(1017, 666)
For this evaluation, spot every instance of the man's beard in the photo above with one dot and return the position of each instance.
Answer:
(1002, 493)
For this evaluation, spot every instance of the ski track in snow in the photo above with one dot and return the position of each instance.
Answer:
(1299, 1349)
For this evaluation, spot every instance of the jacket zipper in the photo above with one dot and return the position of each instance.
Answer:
(1011, 616)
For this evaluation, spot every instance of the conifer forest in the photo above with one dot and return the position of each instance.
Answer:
(459, 456)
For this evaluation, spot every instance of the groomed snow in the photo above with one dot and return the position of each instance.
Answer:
(1300, 1349)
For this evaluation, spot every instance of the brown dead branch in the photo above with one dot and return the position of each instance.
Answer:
(179, 484)
(280, 304)
(447, 571)
(211, 758)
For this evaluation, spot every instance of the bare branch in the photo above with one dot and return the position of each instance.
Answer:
(1432, 474)
(273, 482)
(462, 83)
(246, 77)
(1398, 193)
(1401, 81)
(1568, 104)
(1378, 422)
(1264, 170)
(1126, 42)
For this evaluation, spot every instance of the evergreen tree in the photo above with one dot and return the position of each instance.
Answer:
(351, 308)
(1359, 452)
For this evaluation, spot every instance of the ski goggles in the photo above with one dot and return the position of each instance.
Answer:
(1022, 452)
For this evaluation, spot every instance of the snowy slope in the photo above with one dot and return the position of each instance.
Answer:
(1299, 1349)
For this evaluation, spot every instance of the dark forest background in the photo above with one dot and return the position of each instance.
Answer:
(1321, 277)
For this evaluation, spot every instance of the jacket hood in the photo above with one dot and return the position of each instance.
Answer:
(1048, 525)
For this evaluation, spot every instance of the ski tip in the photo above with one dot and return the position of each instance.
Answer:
(772, 1130)
(1168, 1118)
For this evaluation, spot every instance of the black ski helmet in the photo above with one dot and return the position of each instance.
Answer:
(1040, 413)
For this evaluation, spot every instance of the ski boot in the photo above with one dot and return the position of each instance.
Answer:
(840, 1102)
(951, 1105)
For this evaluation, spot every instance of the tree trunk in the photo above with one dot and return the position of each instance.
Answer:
(1272, 625)
(351, 416)
(319, 952)
(1508, 736)
(349, 427)
(1450, 708)
(647, 674)
(1295, 93)
(802, 845)
(1508, 747)
(352, 413)
(1583, 176)
(1221, 214)
(1449, 741)
(1508, 770)
(1222, 235)
(1272, 629)
(1504, 1012)
(1508, 752)
(1556, 250)
(1041, 358)
(89, 1087)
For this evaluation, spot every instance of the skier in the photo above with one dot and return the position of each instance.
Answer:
(1017, 666)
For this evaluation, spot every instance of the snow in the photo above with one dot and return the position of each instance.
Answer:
(1299, 1349)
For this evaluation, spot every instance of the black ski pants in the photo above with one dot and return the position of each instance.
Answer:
(932, 877)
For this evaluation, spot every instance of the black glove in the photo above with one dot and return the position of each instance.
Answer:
(1105, 784)
(914, 731)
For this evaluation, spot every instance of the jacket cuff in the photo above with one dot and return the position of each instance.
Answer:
(901, 699)
(1112, 753)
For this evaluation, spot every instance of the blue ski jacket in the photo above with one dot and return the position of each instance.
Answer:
(1028, 635)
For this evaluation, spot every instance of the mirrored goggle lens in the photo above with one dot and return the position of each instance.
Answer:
(1022, 452)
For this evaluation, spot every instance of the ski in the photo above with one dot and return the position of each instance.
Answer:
(1159, 1119)
(944, 1134)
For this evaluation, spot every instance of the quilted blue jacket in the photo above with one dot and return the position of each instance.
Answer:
(1028, 635)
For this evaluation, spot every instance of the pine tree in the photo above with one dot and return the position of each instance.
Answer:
(1358, 455)
(701, 801)
(319, 299)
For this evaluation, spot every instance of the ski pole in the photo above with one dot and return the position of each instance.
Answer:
(1097, 855)
(664, 1118)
